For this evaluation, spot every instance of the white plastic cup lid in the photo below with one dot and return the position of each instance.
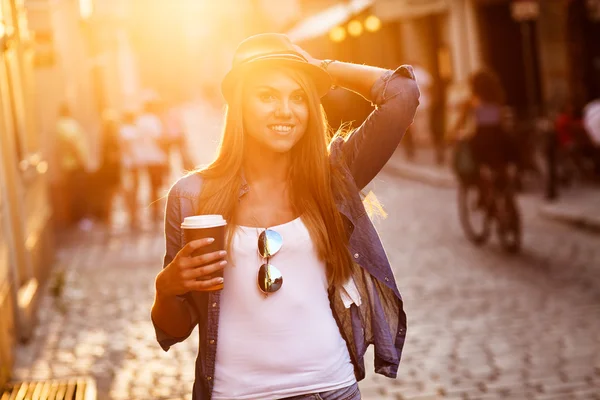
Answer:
(203, 221)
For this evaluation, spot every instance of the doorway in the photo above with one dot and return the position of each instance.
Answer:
(584, 53)
(510, 49)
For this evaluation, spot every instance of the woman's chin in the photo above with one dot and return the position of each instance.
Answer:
(279, 145)
(271, 144)
(280, 149)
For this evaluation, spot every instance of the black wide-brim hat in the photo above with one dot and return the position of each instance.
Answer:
(271, 49)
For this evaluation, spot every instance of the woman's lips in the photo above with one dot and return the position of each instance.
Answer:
(281, 129)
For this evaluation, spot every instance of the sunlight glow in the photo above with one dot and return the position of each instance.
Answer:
(86, 8)
(337, 34)
(355, 28)
(372, 23)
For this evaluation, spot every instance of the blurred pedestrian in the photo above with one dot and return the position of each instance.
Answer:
(73, 161)
(143, 156)
(492, 148)
(129, 137)
(151, 154)
(591, 116)
(591, 121)
(568, 127)
(108, 176)
(175, 136)
(291, 192)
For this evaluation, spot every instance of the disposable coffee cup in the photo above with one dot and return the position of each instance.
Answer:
(205, 226)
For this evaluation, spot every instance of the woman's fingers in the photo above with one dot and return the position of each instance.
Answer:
(207, 258)
(203, 272)
(203, 259)
(203, 285)
(194, 245)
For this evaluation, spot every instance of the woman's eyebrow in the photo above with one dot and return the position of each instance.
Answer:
(267, 87)
(264, 87)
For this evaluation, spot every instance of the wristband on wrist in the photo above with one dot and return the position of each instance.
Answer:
(325, 64)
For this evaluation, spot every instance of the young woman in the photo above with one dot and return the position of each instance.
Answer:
(280, 181)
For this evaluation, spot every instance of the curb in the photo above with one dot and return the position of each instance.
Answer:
(571, 217)
(438, 178)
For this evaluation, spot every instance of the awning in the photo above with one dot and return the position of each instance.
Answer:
(321, 23)
(391, 10)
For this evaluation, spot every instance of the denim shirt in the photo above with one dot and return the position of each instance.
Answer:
(379, 319)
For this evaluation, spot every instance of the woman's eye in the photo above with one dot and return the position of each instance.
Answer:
(266, 97)
(298, 98)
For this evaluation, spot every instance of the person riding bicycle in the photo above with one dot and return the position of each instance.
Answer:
(491, 147)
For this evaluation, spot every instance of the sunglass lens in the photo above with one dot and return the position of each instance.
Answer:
(269, 278)
(269, 243)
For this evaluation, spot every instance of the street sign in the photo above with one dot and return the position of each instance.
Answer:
(525, 10)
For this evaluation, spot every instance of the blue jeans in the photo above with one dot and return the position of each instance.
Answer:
(351, 392)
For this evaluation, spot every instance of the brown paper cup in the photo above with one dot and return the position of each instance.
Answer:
(204, 226)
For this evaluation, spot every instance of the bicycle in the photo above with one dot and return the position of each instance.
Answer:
(490, 202)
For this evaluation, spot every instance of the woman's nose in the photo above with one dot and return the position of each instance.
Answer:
(283, 110)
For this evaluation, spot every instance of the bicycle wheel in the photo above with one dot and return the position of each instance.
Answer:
(509, 224)
(474, 216)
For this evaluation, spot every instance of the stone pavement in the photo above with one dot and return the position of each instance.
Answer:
(482, 324)
(421, 169)
(577, 206)
(100, 326)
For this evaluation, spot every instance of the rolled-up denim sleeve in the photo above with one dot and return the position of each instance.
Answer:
(396, 97)
(173, 241)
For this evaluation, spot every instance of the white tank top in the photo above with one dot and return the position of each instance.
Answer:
(288, 343)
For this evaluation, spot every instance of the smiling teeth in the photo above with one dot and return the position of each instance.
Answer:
(281, 128)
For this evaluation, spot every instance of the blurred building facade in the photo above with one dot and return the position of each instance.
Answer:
(52, 52)
(25, 212)
(545, 52)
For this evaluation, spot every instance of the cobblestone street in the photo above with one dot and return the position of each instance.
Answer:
(482, 324)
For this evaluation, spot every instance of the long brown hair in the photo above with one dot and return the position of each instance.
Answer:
(314, 184)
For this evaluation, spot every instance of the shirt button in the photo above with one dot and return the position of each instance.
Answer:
(355, 255)
(208, 378)
(386, 279)
(214, 305)
(212, 341)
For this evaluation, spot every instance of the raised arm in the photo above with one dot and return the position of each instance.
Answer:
(394, 94)
(355, 77)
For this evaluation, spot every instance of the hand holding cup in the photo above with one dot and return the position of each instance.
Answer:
(191, 272)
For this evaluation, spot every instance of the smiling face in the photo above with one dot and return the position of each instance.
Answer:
(275, 110)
